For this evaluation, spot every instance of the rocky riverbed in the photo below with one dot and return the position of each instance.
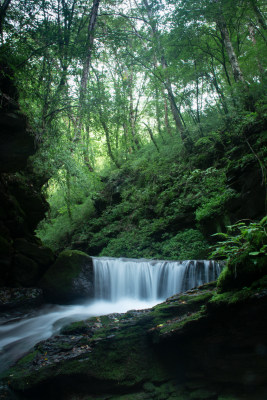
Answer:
(195, 345)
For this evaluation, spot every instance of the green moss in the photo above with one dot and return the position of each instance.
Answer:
(28, 358)
(242, 272)
(234, 297)
(57, 281)
(181, 305)
(177, 324)
(75, 328)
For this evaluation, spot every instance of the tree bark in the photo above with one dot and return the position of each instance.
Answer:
(151, 136)
(258, 14)
(3, 10)
(106, 130)
(166, 116)
(253, 39)
(132, 111)
(167, 83)
(89, 48)
(222, 26)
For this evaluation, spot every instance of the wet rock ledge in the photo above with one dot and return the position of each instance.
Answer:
(196, 345)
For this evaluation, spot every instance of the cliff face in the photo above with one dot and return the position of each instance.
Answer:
(23, 259)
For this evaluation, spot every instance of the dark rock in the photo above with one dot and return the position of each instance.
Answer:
(248, 181)
(22, 206)
(70, 278)
(16, 142)
(6, 251)
(20, 298)
(40, 254)
(30, 199)
(25, 271)
(201, 353)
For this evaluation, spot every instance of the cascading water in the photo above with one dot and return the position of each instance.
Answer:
(150, 280)
(120, 285)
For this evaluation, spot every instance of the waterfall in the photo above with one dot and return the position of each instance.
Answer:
(115, 279)
(120, 285)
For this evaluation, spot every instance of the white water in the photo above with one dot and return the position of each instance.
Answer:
(151, 280)
(120, 285)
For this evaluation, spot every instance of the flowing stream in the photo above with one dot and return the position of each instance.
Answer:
(120, 285)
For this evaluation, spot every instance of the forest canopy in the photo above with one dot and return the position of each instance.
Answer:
(140, 109)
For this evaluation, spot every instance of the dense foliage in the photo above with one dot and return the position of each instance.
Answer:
(143, 113)
(244, 246)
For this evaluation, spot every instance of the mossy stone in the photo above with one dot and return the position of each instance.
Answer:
(69, 278)
(242, 272)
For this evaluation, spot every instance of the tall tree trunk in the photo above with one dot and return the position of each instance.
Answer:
(132, 111)
(89, 48)
(86, 157)
(106, 130)
(167, 83)
(174, 108)
(3, 10)
(253, 39)
(158, 115)
(86, 65)
(197, 91)
(166, 116)
(151, 136)
(68, 195)
(222, 26)
(258, 14)
(218, 89)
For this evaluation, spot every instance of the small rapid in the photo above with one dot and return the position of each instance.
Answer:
(120, 285)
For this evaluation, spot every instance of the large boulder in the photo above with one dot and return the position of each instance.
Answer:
(70, 278)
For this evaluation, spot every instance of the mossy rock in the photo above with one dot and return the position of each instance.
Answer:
(242, 273)
(70, 278)
(114, 354)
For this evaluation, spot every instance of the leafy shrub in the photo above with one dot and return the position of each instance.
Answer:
(189, 244)
(215, 204)
(244, 246)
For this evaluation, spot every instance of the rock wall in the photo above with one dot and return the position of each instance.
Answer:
(23, 259)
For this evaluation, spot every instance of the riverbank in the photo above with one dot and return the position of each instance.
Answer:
(196, 345)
